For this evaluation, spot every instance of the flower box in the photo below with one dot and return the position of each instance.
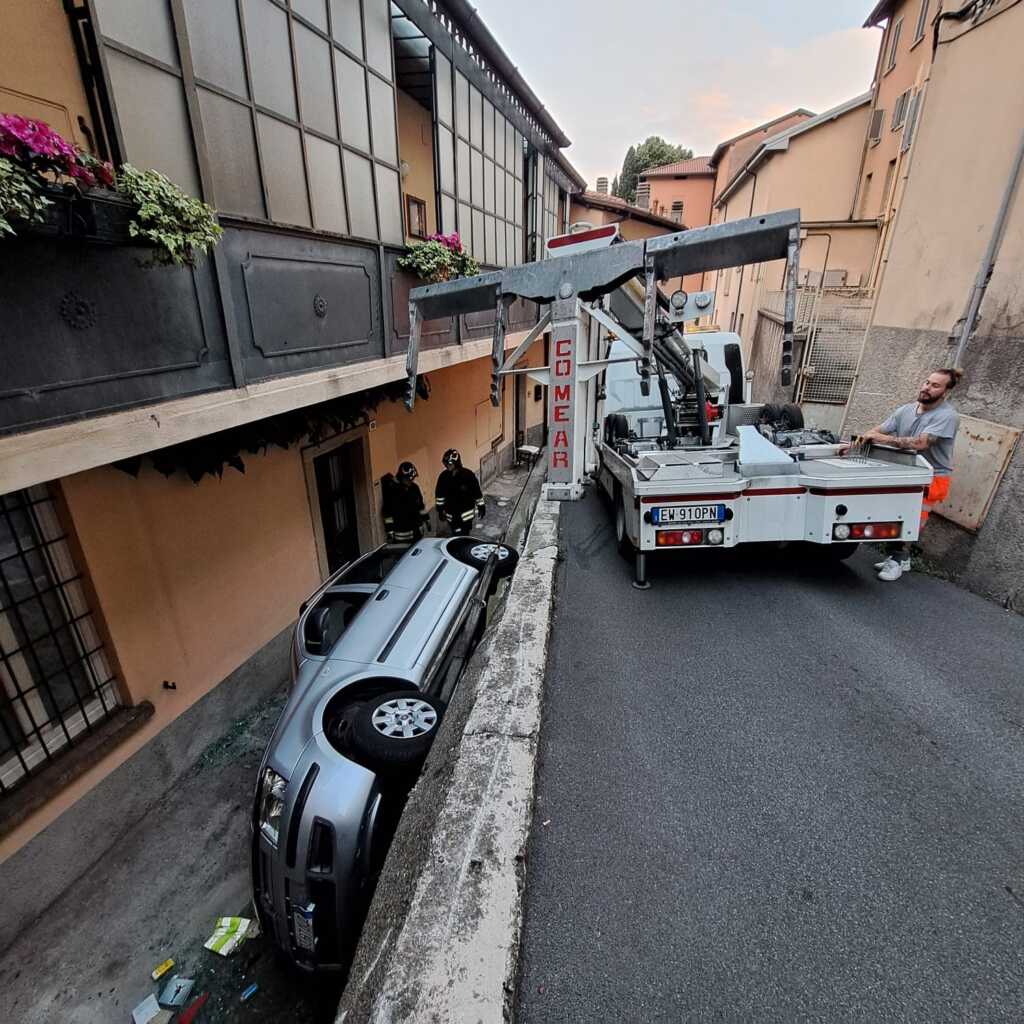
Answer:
(93, 215)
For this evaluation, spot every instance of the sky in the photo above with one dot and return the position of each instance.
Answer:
(612, 72)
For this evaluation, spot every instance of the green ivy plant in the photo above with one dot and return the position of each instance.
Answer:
(439, 258)
(180, 227)
(20, 197)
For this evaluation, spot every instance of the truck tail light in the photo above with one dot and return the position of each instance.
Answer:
(867, 531)
(678, 538)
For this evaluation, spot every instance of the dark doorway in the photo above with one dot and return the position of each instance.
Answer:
(336, 491)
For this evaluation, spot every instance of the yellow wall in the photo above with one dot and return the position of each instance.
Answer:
(954, 189)
(416, 148)
(818, 175)
(39, 75)
(191, 581)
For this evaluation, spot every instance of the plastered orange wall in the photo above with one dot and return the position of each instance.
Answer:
(458, 414)
(695, 191)
(191, 579)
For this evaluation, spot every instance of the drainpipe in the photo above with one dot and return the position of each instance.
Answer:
(965, 325)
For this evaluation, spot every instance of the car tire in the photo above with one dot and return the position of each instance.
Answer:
(475, 552)
(791, 417)
(622, 541)
(393, 731)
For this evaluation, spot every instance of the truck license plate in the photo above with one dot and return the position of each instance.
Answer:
(303, 921)
(689, 514)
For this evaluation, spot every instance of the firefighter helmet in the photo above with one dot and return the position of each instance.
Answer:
(452, 458)
(407, 471)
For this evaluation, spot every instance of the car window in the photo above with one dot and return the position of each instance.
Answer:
(328, 618)
(375, 566)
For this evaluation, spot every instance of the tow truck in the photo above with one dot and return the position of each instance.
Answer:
(699, 466)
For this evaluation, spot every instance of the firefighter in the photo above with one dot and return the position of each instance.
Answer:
(405, 518)
(458, 496)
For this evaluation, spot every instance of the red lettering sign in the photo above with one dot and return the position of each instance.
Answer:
(563, 367)
(559, 460)
(561, 440)
(563, 347)
(561, 392)
(561, 414)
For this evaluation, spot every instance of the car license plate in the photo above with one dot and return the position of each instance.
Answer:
(303, 921)
(689, 514)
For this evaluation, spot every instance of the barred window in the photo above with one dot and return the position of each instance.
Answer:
(56, 683)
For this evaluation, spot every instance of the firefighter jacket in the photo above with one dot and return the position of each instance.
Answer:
(404, 514)
(458, 495)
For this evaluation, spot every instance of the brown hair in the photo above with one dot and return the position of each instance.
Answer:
(952, 373)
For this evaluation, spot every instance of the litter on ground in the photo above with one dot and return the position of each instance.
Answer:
(229, 933)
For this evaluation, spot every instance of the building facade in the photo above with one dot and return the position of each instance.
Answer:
(142, 612)
(960, 227)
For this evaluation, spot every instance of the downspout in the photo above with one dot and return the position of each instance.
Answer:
(967, 322)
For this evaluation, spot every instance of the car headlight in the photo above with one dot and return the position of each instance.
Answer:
(271, 805)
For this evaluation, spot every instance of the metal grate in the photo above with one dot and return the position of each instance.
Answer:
(836, 330)
(55, 680)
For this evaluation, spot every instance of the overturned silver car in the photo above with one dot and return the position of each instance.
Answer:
(376, 653)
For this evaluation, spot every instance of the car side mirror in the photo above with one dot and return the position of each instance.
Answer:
(316, 629)
(749, 375)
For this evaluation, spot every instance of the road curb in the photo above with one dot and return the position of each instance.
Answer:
(442, 939)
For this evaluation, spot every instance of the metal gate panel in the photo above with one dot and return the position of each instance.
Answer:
(838, 320)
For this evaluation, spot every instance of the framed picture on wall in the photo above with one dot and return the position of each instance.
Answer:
(416, 216)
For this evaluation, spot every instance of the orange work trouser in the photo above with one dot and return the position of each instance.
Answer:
(936, 491)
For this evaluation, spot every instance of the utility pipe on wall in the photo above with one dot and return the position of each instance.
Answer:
(988, 262)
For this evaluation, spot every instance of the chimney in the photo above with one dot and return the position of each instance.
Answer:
(602, 186)
(643, 195)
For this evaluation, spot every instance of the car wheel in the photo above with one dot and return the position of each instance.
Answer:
(474, 552)
(622, 540)
(393, 731)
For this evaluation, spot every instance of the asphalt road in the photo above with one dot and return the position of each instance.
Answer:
(770, 791)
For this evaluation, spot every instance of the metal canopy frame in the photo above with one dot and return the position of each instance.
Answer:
(587, 276)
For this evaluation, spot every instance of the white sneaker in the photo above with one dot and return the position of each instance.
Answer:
(892, 569)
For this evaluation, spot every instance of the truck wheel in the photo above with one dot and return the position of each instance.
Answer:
(618, 427)
(475, 552)
(792, 417)
(625, 545)
(393, 731)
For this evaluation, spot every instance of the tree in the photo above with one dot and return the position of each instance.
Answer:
(627, 179)
(652, 152)
(615, 185)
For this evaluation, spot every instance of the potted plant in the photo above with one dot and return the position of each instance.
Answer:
(50, 187)
(439, 258)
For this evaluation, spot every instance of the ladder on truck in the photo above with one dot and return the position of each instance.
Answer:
(573, 287)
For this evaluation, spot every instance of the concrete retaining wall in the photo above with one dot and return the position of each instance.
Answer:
(442, 938)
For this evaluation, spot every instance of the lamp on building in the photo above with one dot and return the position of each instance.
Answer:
(403, 169)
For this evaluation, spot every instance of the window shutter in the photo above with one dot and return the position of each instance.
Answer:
(908, 129)
(875, 131)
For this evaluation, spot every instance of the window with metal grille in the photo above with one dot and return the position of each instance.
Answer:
(56, 683)
(677, 210)
(894, 42)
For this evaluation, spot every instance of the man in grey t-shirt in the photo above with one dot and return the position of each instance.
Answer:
(928, 426)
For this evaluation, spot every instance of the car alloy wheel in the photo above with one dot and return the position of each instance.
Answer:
(404, 718)
(483, 551)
